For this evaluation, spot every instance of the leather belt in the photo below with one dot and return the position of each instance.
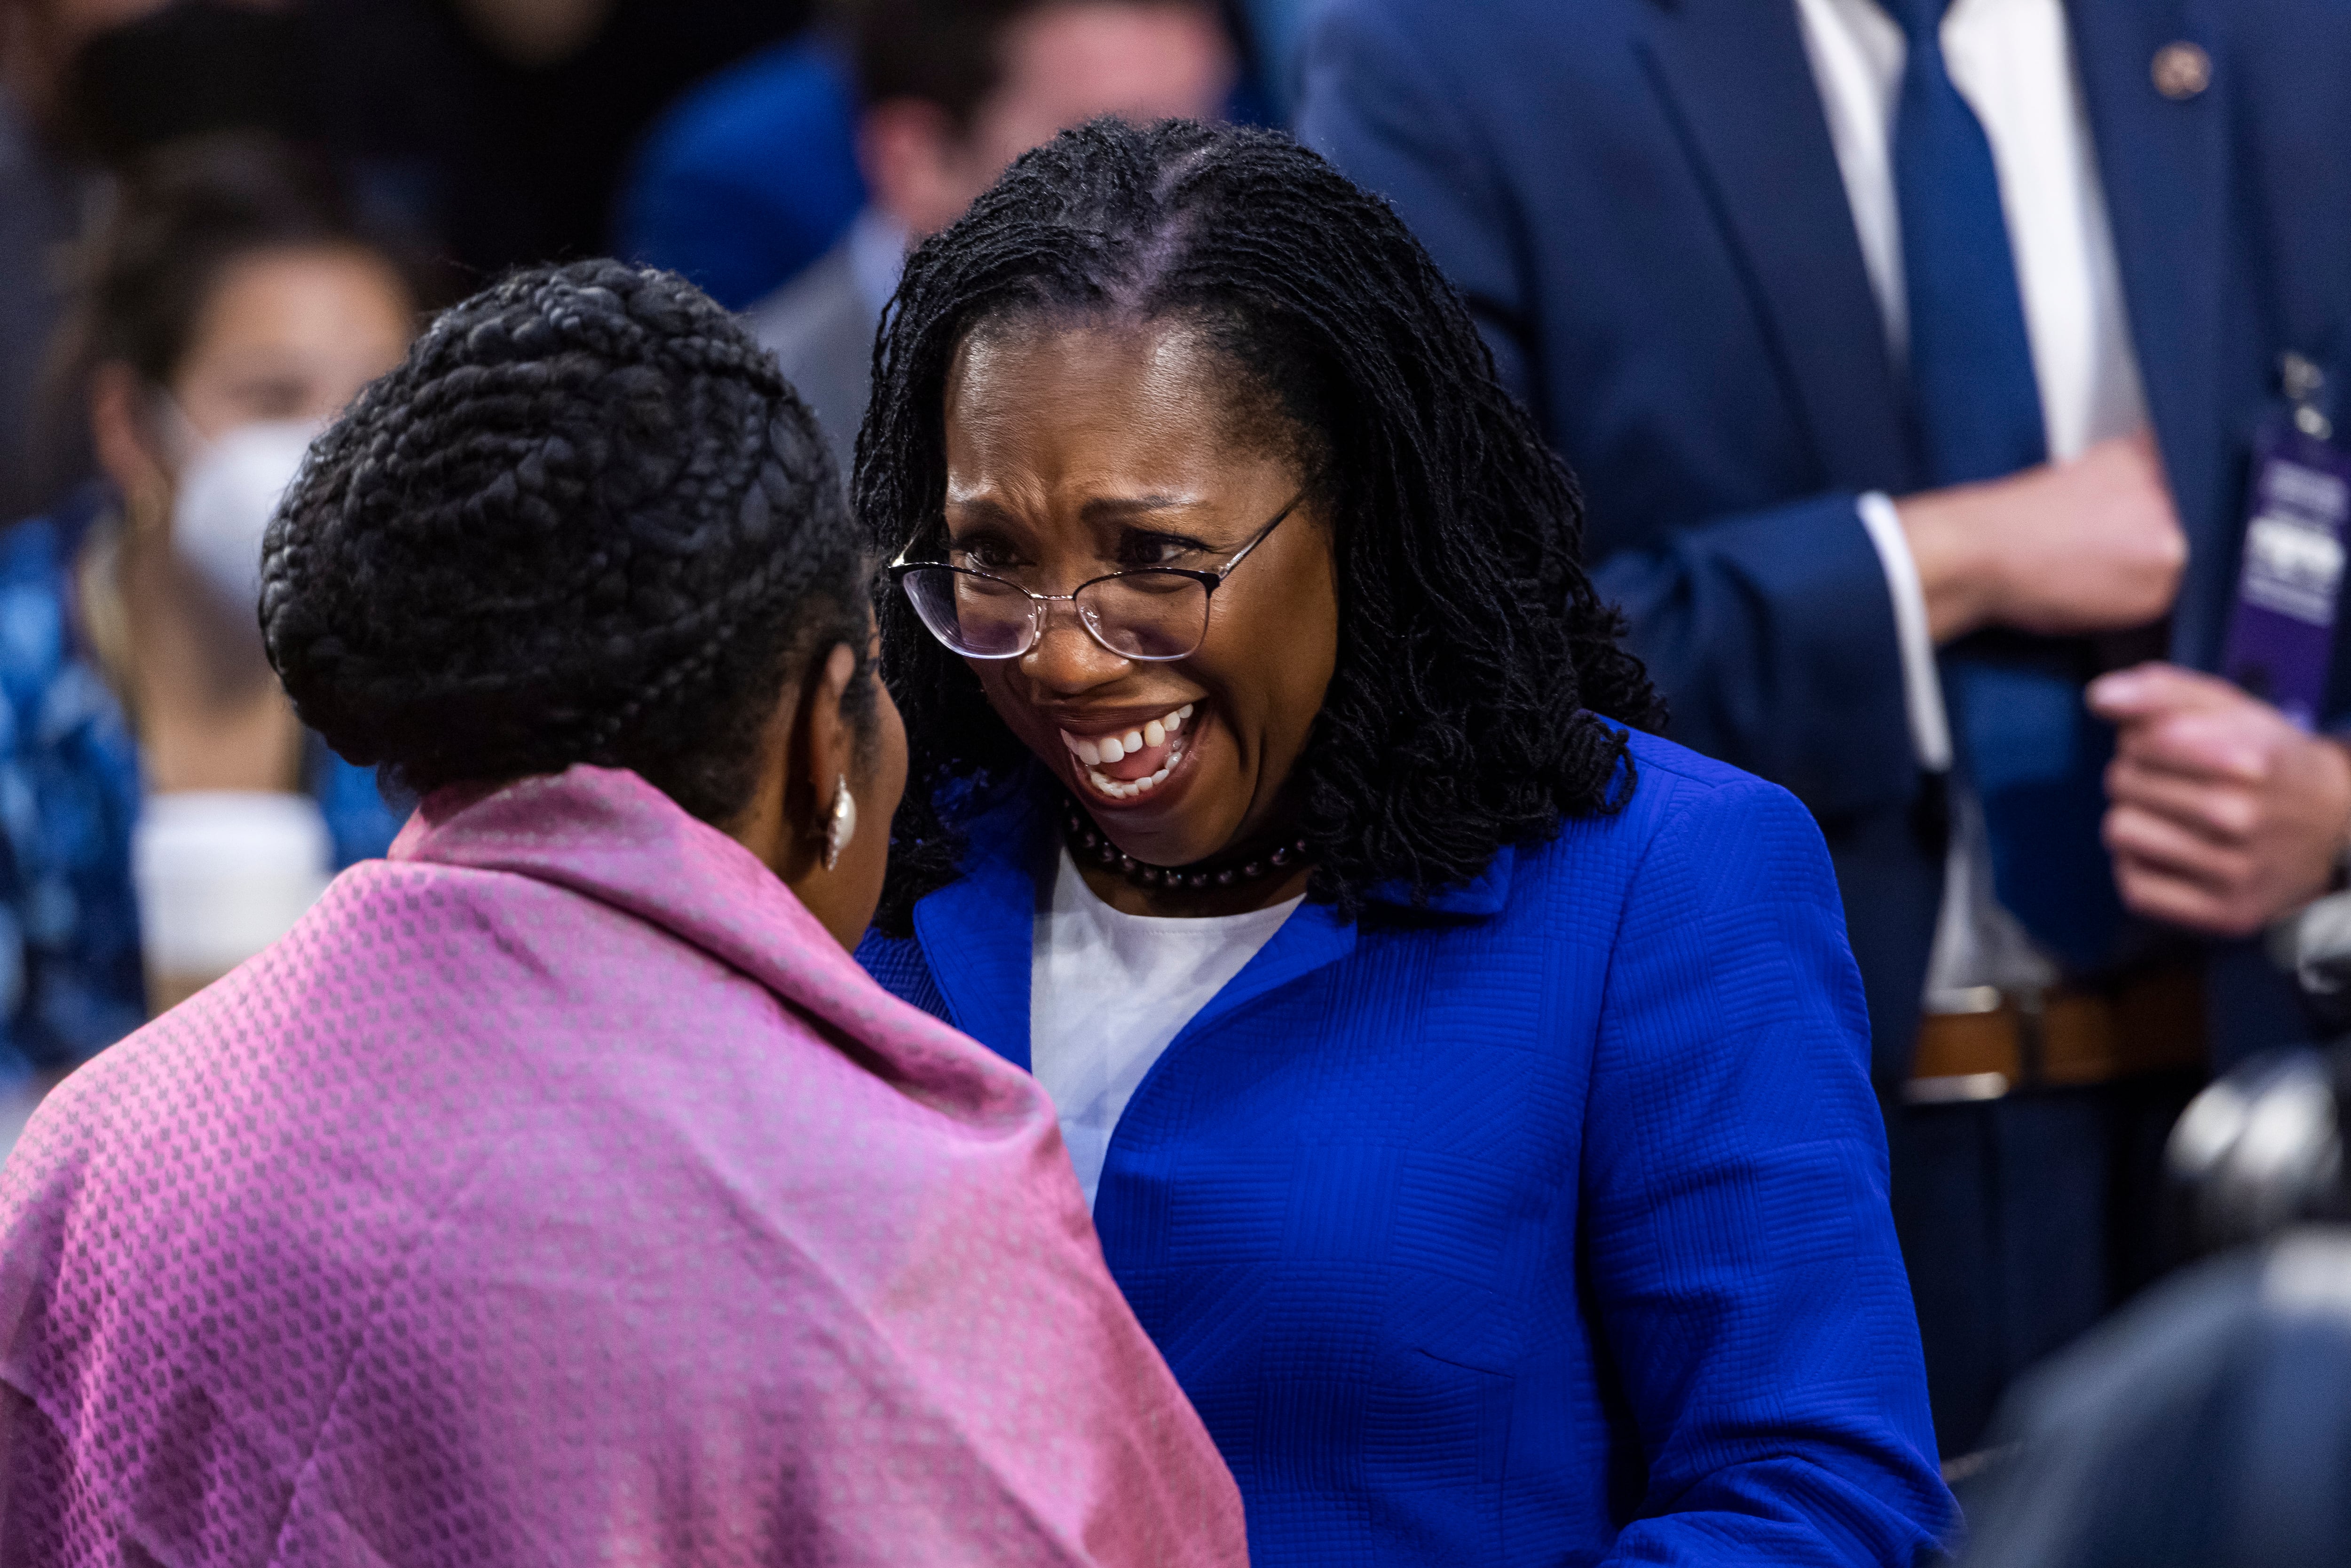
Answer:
(2064, 1037)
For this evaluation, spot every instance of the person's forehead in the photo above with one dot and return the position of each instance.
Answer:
(1083, 58)
(1060, 427)
(1032, 383)
(304, 289)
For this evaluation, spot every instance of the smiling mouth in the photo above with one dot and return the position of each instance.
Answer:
(1126, 765)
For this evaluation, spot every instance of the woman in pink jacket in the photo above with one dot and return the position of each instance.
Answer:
(559, 1191)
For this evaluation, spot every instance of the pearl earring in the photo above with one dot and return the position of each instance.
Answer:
(842, 826)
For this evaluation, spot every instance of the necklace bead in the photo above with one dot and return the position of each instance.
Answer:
(1088, 842)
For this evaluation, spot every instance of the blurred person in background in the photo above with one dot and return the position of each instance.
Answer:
(1917, 357)
(559, 1191)
(2207, 1425)
(950, 92)
(89, 88)
(751, 176)
(230, 308)
(755, 174)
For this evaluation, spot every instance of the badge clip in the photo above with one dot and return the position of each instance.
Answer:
(2303, 383)
(2297, 543)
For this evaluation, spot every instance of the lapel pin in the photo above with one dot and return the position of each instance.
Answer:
(2181, 71)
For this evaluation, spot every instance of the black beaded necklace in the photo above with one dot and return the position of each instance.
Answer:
(1088, 843)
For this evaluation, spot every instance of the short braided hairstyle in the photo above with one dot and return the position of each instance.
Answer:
(1475, 662)
(586, 521)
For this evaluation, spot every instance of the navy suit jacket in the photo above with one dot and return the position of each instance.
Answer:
(1641, 203)
(1549, 1226)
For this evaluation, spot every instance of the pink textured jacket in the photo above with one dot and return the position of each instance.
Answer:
(559, 1192)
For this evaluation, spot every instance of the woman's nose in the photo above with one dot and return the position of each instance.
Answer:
(1066, 657)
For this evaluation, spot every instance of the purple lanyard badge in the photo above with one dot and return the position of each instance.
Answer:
(2282, 639)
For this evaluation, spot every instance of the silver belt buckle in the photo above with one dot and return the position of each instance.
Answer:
(1969, 1088)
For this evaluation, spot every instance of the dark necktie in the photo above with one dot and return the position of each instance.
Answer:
(2027, 745)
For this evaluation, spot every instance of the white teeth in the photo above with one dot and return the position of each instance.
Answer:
(1097, 751)
(1127, 789)
(1118, 790)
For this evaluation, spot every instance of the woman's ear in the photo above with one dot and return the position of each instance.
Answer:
(809, 749)
(826, 746)
(833, 863)
(122, 432)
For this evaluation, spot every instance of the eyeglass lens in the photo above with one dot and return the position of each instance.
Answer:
(1136, 614)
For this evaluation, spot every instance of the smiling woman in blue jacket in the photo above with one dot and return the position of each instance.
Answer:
(1470, 1088)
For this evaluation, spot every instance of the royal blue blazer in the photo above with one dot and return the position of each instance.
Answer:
(1546, 1224)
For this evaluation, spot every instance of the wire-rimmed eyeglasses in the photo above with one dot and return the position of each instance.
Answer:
(1154, 612)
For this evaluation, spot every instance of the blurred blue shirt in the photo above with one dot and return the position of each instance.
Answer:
(750, 177)
(70, 976)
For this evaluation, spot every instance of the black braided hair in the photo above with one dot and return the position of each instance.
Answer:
(586, 521)
(1474, 659)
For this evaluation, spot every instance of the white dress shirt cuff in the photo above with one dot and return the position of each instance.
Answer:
(1922, 687)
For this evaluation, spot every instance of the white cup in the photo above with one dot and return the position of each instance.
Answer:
(220, 876)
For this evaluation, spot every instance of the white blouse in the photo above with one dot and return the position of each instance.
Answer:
(1108, 992)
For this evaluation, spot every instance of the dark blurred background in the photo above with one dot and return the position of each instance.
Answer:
(721, 136)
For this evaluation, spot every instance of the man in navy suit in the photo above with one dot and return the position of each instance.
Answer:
(1914, 355)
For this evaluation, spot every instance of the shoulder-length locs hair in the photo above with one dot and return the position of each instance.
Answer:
(1476, 663)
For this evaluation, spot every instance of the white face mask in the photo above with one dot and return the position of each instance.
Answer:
(228, 491)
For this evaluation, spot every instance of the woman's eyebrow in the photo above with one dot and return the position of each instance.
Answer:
(1100, 511)
(1119, 508)
(980, 509)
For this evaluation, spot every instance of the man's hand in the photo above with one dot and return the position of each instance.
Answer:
(2223, 816)
(2092, 544)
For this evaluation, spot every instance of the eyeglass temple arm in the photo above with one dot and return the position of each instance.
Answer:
(1263, 534)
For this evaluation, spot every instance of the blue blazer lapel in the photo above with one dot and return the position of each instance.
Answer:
(2165, 167)
(978, 933)
(1739, 89)
(1314, 936)
(1311, 938)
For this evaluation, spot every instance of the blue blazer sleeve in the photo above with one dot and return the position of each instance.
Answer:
(1771, 635)
(1740, 1251)
(1771, 630)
